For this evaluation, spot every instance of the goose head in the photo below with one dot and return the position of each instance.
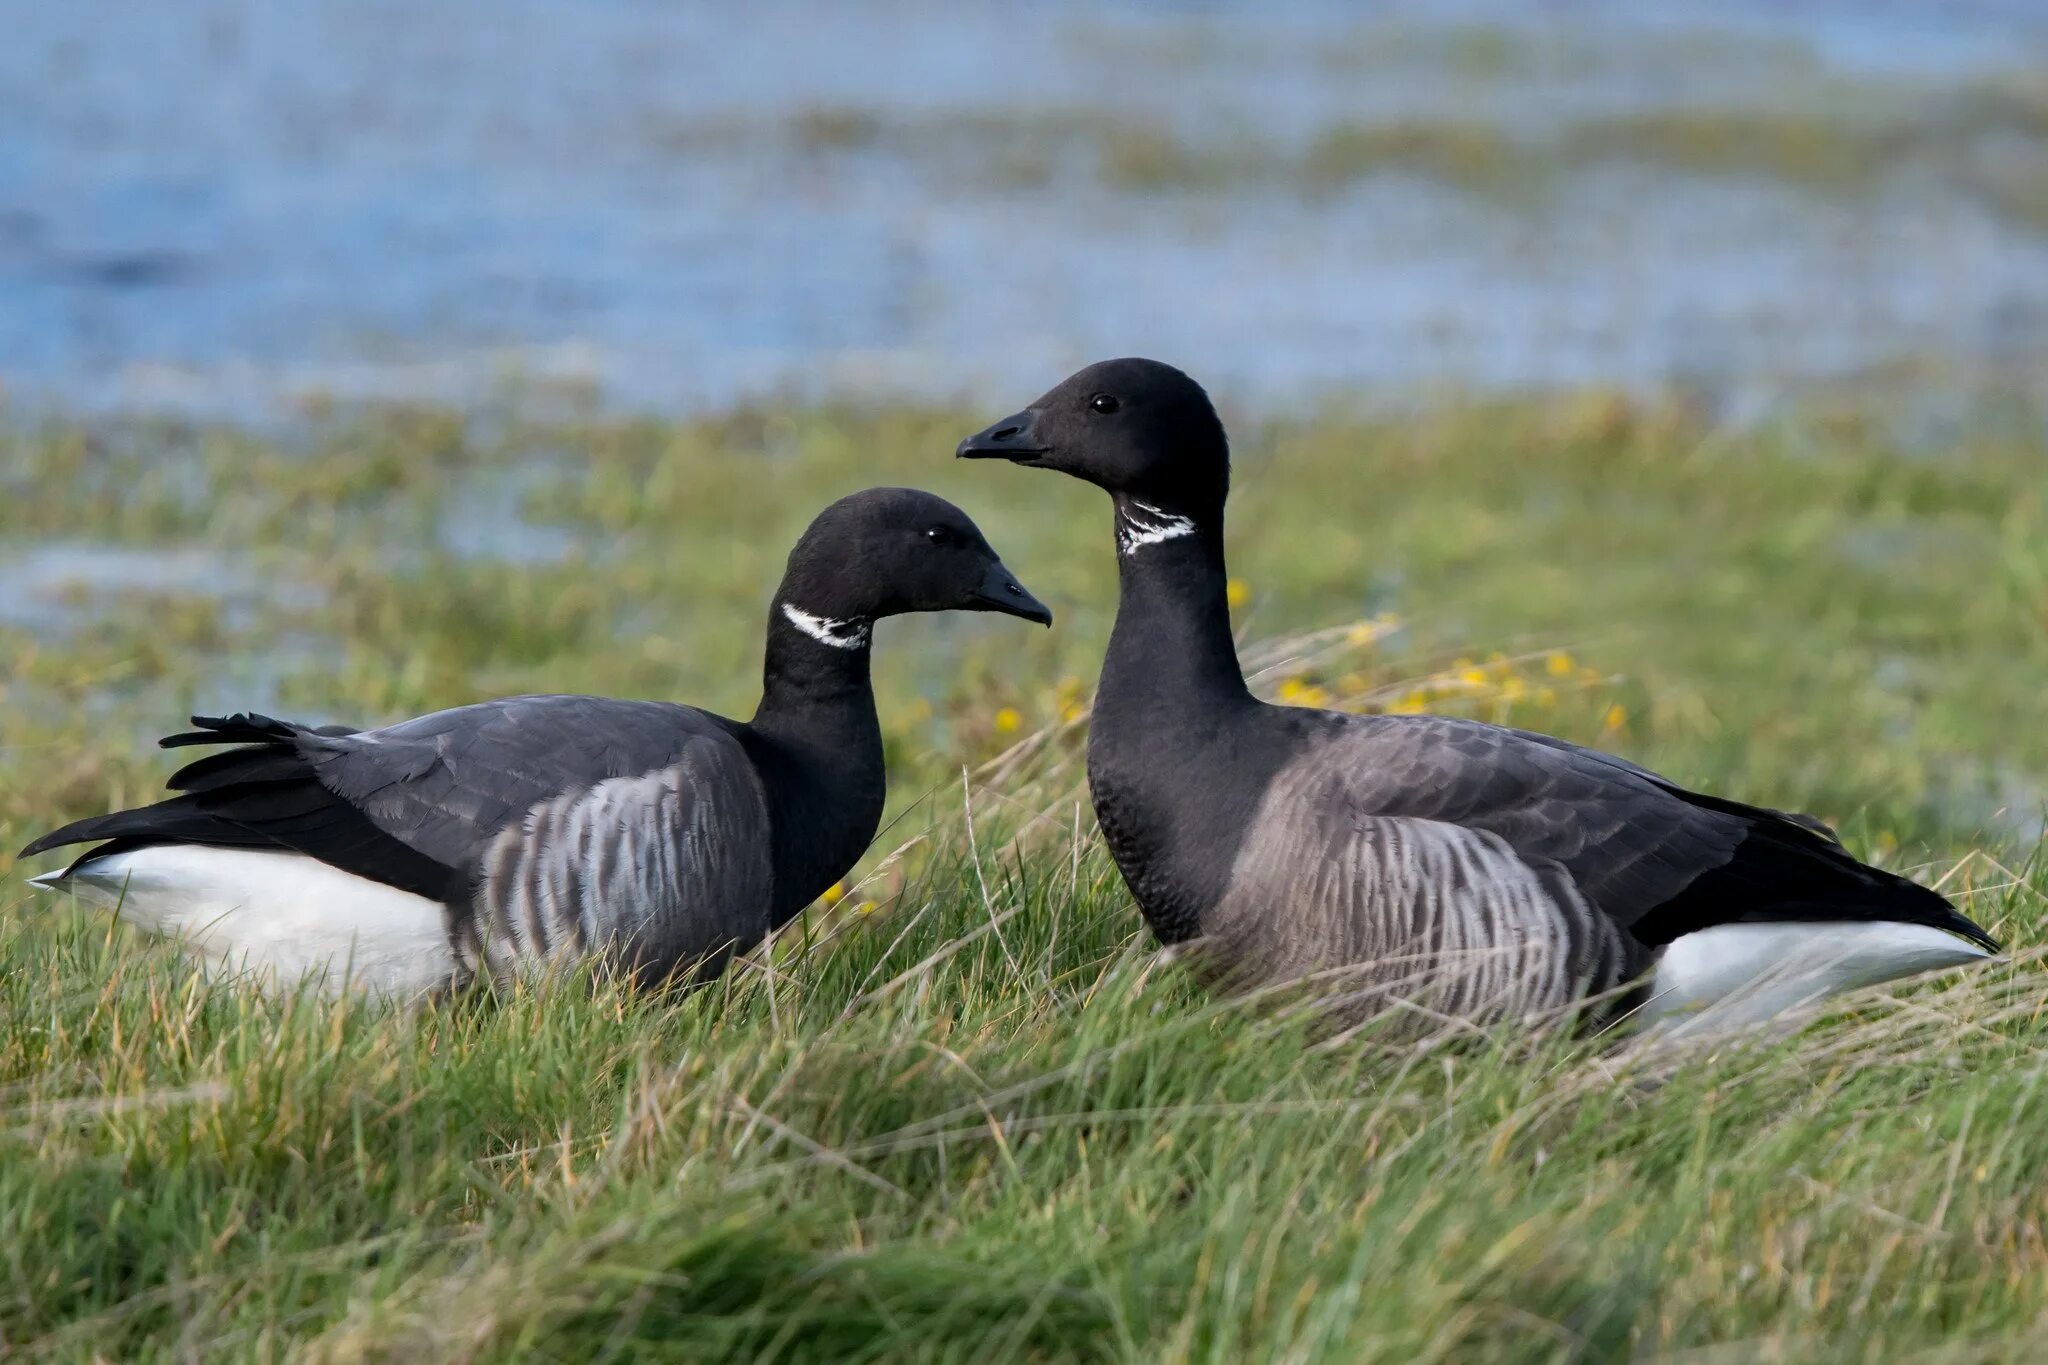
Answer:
(1139, 429)
(892, 551)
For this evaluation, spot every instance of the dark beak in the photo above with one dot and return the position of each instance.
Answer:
(1014, 438)
(1000, 591)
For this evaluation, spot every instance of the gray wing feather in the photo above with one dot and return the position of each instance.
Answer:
(1810, 823)
(665, 869)
(1626, 839)
(445, 784)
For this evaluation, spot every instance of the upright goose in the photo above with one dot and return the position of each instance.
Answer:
(512, 834)
(1490, 873)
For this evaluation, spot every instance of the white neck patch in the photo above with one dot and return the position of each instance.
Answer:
(851, 633)
(1139, 524)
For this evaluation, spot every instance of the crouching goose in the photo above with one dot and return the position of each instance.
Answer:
(515, 834)
(1512, 872)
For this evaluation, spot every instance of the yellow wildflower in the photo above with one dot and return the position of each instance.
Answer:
(1559, 664)
(1364, 633)
(1513, 689)
(1617, 716)
(1237, 592)
(1072, 712)
(1546, 696)
(1007, 720)
(834, 893)
(1411, 705)
(1296, 692)
(1472, 677)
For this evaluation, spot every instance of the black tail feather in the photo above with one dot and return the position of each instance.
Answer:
(244, 727)
(178, 820)
(1788, 870)
(242, 764)
(266, 751)
(258, 795)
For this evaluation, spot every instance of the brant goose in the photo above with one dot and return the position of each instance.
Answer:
(1482, 872)
(513, 834)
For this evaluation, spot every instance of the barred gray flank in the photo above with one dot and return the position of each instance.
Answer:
(1409, 907)
(666, 869)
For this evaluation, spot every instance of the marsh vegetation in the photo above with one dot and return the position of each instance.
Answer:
(964, 1110)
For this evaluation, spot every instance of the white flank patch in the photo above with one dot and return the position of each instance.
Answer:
(276, 915)
(849, 634)
(1733, 975)
(1141, 524)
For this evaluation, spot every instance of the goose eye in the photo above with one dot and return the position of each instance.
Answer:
(939, 535)
(1104, 403)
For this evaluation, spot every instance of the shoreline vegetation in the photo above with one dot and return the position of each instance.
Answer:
(966, 1110)
(1835, 137)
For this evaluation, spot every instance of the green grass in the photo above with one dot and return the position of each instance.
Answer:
(967, 1113)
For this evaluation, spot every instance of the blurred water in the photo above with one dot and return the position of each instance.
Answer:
(214, 204)
(50, 584)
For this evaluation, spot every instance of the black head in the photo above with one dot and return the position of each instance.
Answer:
(888, 551)
(1135, 427)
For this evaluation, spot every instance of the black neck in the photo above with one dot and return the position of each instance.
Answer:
(1171, 648)
(818, 747)
(1175, 751)
(807, 683)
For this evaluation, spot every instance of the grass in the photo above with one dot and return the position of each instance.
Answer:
(966, 1111)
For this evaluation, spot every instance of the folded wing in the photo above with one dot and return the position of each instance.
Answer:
(410, 805)
(1657, 860)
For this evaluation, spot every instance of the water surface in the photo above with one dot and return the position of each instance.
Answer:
(214, 205)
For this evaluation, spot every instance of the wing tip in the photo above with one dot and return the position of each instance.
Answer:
(1971, 932)
(54, 839)
(1945, 915)
(85, 831)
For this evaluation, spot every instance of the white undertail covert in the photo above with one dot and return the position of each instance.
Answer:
(1734, 975)
(280, 917)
